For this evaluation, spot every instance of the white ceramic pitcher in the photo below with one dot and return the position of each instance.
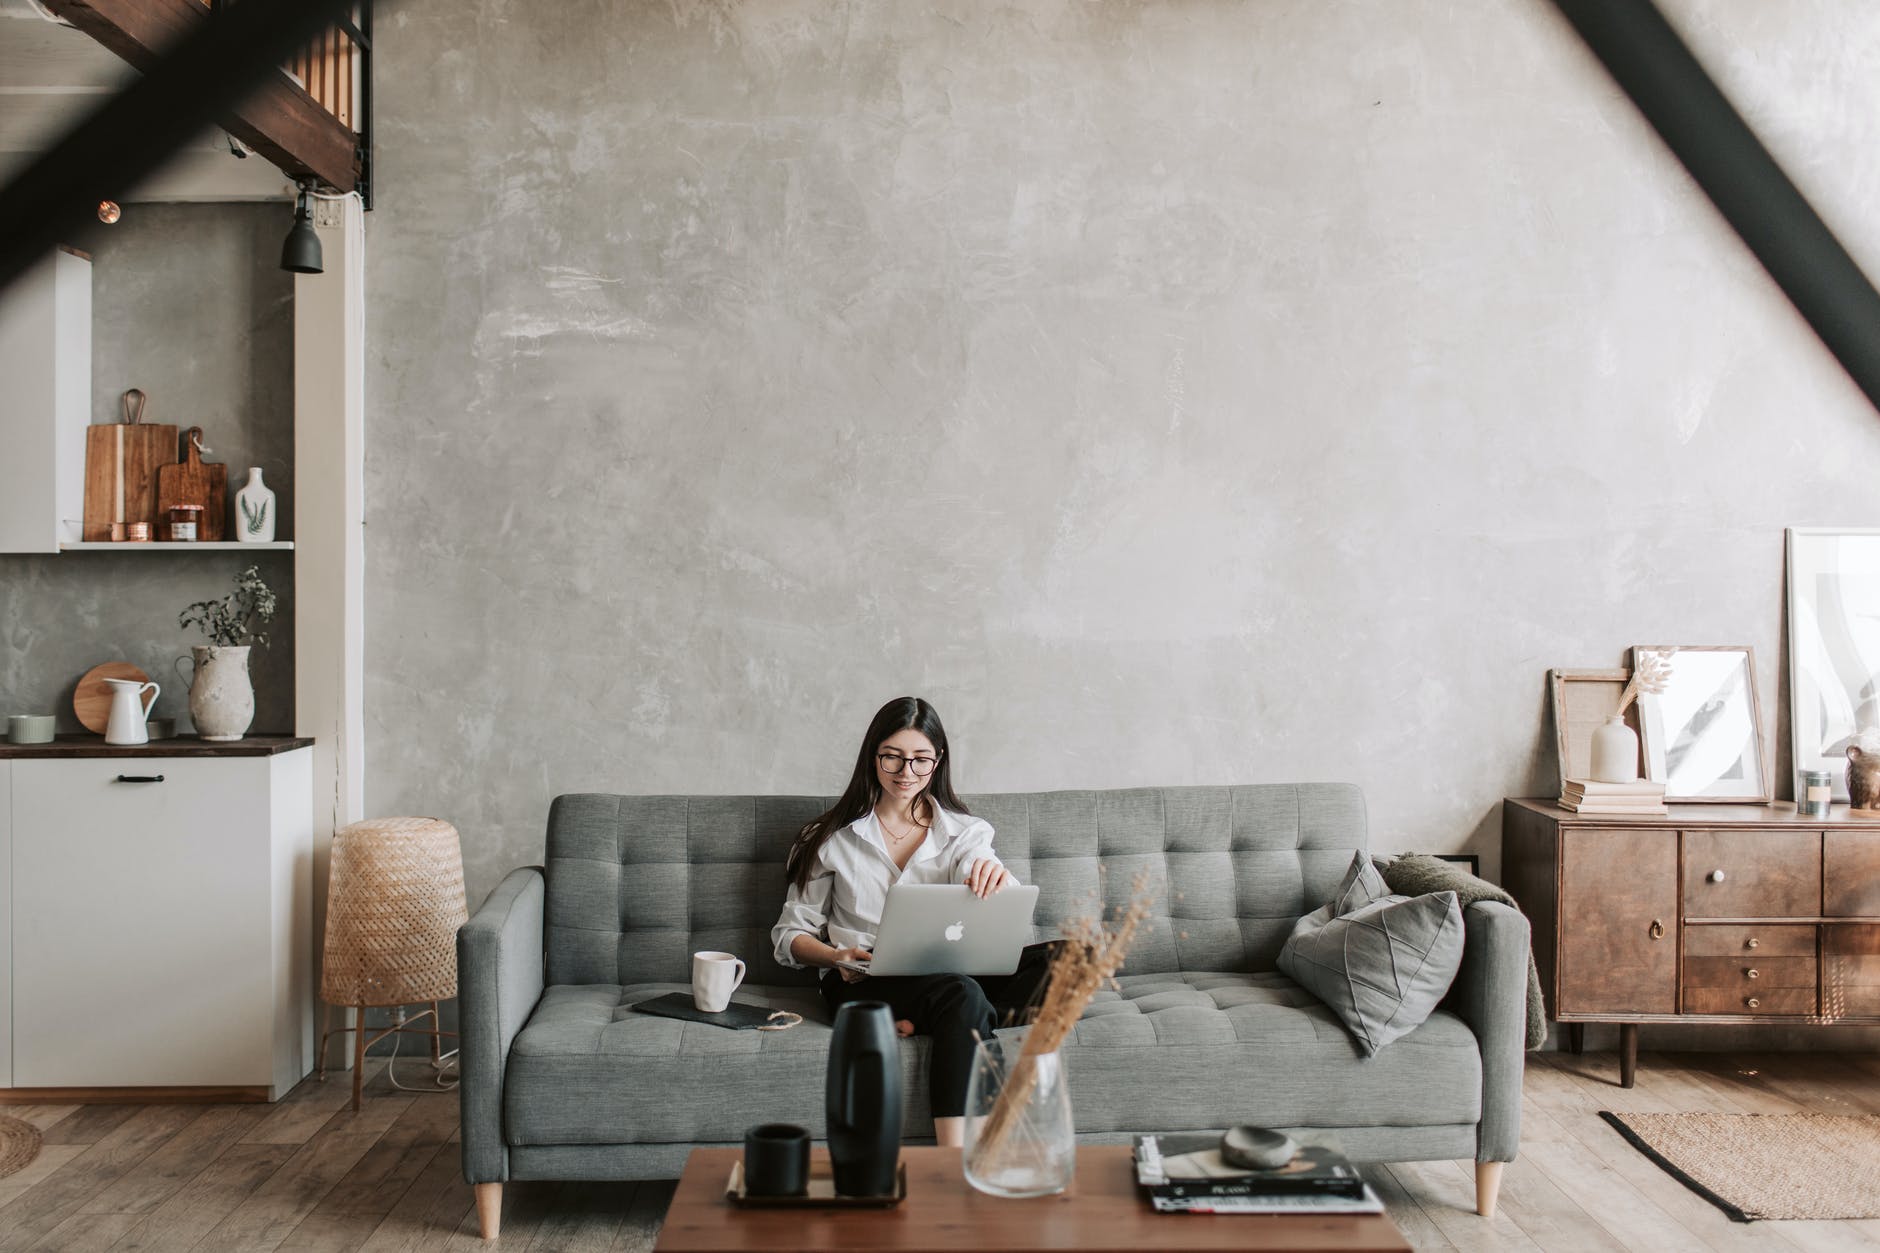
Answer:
(130, 712)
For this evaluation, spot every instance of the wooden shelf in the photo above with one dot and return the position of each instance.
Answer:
(221, 546)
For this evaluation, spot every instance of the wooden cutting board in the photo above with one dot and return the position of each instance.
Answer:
(92, 701)
(194, 481)
(122, 461)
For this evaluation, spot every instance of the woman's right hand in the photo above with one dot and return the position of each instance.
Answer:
(851, 955)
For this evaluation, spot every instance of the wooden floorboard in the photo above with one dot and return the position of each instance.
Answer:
(309, 1175)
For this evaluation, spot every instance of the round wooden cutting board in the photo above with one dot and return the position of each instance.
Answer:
(92, 701)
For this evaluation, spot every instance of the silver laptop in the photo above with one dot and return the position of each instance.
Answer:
(942, 928)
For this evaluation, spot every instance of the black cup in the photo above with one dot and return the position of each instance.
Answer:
(776, 1160)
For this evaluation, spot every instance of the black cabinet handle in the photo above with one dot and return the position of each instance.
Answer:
(140, 778)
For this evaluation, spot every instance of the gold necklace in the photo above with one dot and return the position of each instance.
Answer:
(901, 838)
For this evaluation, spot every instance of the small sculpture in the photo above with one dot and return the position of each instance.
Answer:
(1863, 771)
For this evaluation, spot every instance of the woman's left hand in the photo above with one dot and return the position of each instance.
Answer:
(986, 876)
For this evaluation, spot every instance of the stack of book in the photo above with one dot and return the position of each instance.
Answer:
(1184, 1173)
(1588, 796)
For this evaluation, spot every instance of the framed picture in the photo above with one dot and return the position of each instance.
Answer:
(1702, 735)
(1834, 645)
(1582, 699)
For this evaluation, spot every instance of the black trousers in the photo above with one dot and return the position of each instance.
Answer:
(951, 1009)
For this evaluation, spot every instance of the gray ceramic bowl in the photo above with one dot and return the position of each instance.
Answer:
(30, 728)
(161, 728)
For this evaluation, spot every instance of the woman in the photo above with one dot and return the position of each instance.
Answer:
(899, 822)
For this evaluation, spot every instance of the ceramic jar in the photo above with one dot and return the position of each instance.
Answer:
(221, 696)
(1615, 751)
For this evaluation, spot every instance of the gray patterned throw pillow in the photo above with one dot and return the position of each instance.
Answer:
(1380, 962)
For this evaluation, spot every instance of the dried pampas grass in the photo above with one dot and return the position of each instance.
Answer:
(1087, 959)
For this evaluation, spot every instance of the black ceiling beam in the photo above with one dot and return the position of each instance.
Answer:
(1697, 122)
(207, 75)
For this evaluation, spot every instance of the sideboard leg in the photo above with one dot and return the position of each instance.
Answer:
(1487, 1185)
(1628, 1053)
(1576, 1038)
(489, 1210)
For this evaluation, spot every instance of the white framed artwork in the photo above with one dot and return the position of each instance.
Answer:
(1834, 645)
(1702, 735)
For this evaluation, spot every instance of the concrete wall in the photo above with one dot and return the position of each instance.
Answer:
(1174, 391)
(188, 303)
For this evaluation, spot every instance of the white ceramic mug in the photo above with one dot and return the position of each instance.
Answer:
(715, 976)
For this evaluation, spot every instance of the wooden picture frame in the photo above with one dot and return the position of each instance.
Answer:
(1710, 715)
(1581, 700)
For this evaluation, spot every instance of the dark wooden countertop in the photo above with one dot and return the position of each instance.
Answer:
(177, 746)
(1780, 814)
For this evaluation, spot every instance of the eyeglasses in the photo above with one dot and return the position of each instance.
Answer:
(892, 763)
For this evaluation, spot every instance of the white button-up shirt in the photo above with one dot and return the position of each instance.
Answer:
(848, 884)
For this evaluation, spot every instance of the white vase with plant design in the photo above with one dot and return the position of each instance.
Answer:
(254, 510)
(221, 694)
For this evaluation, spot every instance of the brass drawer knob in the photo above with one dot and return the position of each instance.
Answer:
(1658, 930)
(1753, 942)
(1752, 973)
(1751, 1001)
(1715, 876)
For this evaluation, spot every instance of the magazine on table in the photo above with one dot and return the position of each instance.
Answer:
(1295, 1203)
(1189, 1164)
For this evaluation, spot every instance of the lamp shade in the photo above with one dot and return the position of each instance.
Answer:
(394, 903)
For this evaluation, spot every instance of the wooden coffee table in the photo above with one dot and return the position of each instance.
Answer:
(1103, 1212)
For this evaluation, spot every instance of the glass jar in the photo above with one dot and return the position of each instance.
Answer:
(183, 522)
(1019, 1137)
(1817, 793)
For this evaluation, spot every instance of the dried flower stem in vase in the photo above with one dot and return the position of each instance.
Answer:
(1089, 957)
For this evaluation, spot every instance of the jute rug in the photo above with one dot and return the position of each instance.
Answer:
(19, 1145)
(1754, 1166)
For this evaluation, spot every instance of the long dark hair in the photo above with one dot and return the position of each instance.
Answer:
(864, 789)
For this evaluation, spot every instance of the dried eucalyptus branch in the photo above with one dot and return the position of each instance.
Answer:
(237, 618)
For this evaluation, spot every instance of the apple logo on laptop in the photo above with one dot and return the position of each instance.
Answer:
(956, 931)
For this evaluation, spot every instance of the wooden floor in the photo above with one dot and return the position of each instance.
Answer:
(309, 1174)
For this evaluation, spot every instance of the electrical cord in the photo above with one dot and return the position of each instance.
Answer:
(444, 1063)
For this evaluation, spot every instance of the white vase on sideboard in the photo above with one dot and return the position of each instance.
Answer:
(254, 510)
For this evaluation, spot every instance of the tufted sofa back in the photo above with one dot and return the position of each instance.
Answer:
(637, 884)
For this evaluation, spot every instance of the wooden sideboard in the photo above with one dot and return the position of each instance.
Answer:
(1711, 913)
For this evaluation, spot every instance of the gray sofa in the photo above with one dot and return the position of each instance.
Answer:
(561, 1080)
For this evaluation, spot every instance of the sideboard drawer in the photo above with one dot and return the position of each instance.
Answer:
(1752, 874)
(1763, 941)
(1749, 973)
(1738, 1001)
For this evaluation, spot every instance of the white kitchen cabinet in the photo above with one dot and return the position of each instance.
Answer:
(161, 921)
(45, 403)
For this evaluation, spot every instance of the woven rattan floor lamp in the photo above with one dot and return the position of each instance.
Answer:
(394, 903)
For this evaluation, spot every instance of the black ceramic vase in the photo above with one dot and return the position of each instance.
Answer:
(864, 1099)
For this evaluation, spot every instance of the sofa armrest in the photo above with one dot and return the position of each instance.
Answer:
(1490, 994)
(499, 981)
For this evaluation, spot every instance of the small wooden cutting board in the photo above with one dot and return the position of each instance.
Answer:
(194, 481)
(92, 701)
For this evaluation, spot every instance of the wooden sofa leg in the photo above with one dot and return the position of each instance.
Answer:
(1487, 1185)
(490, 1209)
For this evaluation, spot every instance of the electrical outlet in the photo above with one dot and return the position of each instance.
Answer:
(398, 1016)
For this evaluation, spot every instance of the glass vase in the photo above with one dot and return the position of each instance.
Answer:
(1019, 1137)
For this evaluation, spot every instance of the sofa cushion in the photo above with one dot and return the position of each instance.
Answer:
(1382, 966)
(1168, 1052)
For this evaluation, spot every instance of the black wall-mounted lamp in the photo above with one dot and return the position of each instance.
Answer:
(300, 251)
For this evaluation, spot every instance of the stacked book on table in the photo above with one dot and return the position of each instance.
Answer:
(1588, 796)
(1184, 1173)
